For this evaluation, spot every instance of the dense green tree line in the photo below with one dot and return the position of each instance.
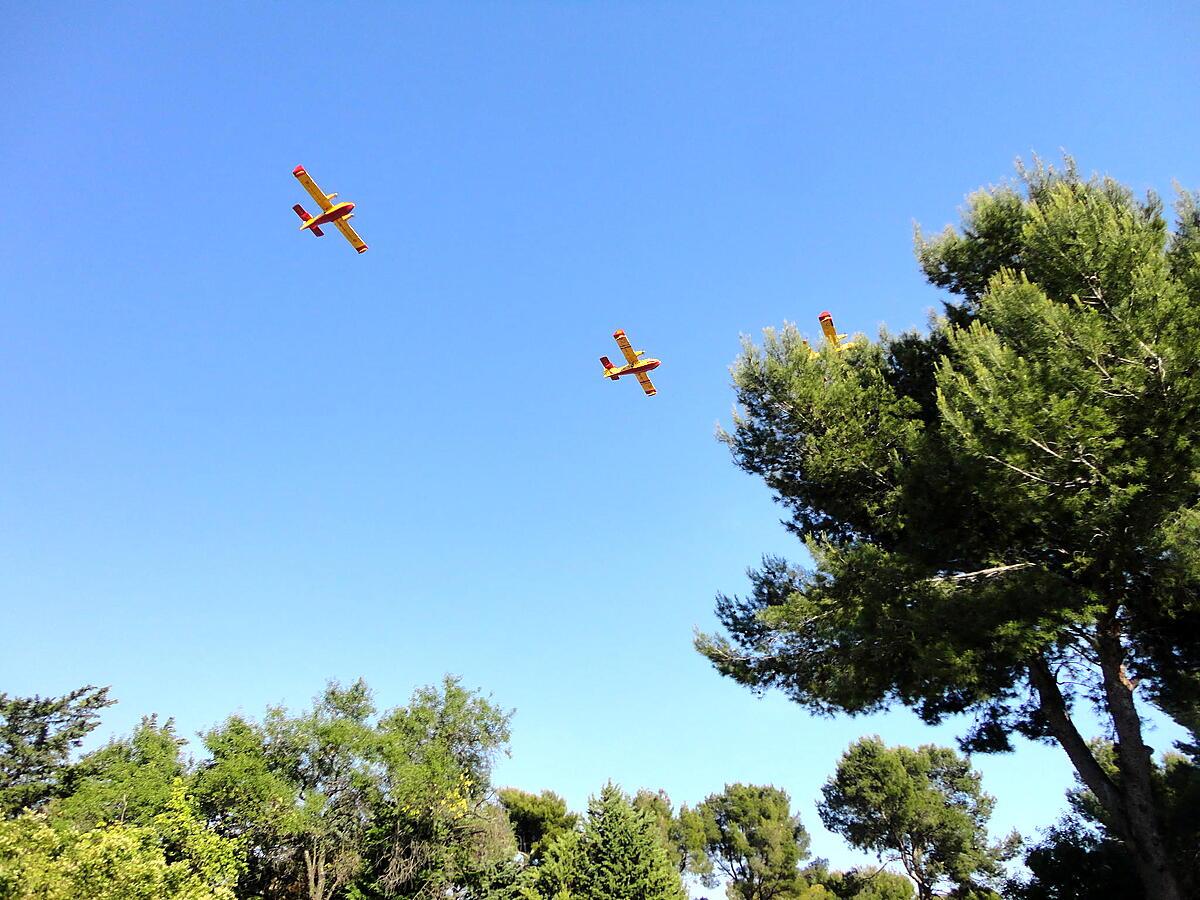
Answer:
(343, 801)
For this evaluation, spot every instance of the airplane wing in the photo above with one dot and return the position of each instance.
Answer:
(623, 343)
(351, 235)
(311, 187)
(646, 383)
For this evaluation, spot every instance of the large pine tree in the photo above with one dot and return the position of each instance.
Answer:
(1004, 512)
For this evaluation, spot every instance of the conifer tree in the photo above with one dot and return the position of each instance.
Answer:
(1004, 513)
(617, 856)
(37, 735)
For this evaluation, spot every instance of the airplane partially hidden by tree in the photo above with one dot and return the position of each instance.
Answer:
(831, 336)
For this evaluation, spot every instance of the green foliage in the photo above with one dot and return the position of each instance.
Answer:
(681, 834)
(1084, 852)
(176, 859)
(1004, 514)
(537, 819)
(925, 805)
(437, 755)
(198, 859)
(978, 495)
(863, 884)
(617, 856)
(337, 802)
(754, 841)
(1073, 862)
(877, 885)
(130, 780)
(340, 798)
(246, 790)
(37, 735)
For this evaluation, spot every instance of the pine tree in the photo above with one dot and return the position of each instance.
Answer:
(1005, 512)
(37, 735)
(618, 856)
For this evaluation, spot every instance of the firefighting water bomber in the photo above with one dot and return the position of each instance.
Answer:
(636, 366)
(339, 214)
(831, 336)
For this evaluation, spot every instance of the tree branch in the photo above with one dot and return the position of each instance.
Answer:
(1054, 706)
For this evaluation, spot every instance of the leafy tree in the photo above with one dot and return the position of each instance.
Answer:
(878, 884)
(1004, 513)
(435, 824)
(537, 819)
(754, 841)
(682, 833)
(617, 856)
(861, 884)
(326, 754)
(340, 798)
(926, 806)
(302, 788)
(128, 780)
(198, 859)
(37, 735)
(248, 792)
(489, 865)
(177, 858)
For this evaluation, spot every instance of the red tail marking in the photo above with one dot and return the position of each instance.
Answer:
(305, 217)
(606, 362)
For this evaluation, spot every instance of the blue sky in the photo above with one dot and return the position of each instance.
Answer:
(239, 461)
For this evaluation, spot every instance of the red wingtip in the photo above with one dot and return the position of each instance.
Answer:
(620, 332)
(362, 249)
(299, 170)
(824, 315)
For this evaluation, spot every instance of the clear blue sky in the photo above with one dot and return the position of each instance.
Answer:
(239, 461)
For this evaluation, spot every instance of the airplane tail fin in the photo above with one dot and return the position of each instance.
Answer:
(305, 217)
(608, 367)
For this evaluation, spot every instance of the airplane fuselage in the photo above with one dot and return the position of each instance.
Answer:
(335, 212)
(642, 365)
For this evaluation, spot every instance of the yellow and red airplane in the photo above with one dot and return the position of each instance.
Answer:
(337, 213)
(636, 365)
(831, 335)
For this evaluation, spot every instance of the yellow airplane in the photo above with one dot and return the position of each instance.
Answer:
(337, 213)
(636, 365)
(831, 335)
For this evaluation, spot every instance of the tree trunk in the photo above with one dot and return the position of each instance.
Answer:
(314, 863)
(1130, 802)
(1133, 762)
